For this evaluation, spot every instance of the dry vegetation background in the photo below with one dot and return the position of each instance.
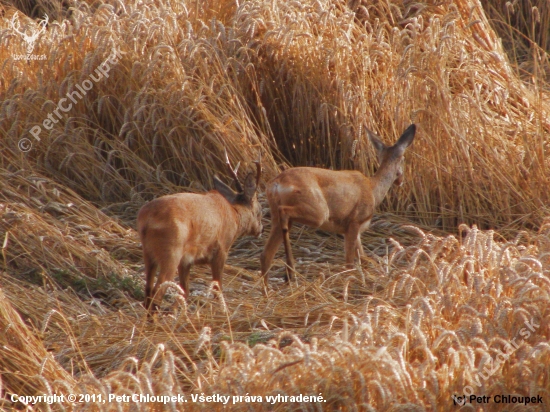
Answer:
(460, 255)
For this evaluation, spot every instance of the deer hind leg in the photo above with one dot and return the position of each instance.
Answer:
(310, 215)
(286, 225)
(150, 271)
(168, 268)
(273, 242)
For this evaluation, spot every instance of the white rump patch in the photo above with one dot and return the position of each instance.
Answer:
(282, 189)
(157, 224)
(364, 226)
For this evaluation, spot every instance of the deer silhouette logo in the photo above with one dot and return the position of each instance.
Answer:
(30, 39)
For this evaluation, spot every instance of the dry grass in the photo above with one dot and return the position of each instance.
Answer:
(524, 27)
(296, 81)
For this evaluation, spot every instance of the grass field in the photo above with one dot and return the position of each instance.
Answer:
(122, 101)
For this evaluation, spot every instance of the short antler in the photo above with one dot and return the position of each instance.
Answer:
(258, 168)
(234, 172)
(353, 156)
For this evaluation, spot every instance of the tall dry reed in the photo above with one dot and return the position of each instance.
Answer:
(297, 82)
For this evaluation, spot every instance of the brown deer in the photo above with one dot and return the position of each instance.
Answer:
(182, 229)
(336, 201)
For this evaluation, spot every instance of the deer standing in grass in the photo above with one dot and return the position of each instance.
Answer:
(182, 229)
(336, 201)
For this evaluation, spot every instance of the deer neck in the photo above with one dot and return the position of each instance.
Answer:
(242, 219)
(382, 181)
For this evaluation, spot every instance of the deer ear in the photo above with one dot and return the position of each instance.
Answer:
(250, 186)
(406, 139)
(378, 145)
(225, 190)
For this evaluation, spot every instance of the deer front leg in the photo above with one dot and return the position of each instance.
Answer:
(352, 245)
(183, 271)
(217, 264)
(360, 252)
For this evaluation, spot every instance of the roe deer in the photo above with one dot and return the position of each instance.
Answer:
(182, 229)
(336, 201)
